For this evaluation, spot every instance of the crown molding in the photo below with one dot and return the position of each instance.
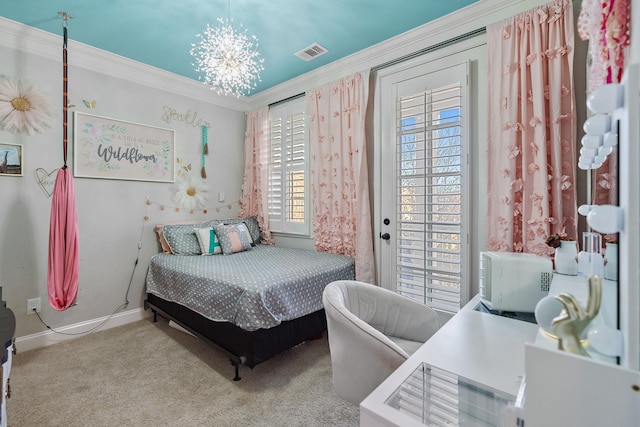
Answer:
(15, 35)
(473, 17)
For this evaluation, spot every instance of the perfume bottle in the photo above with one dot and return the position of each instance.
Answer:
(590, 261)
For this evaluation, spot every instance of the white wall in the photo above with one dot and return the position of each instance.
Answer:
(634, 54)
(110, 212)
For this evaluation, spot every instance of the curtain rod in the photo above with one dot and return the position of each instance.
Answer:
(432, 48)
(291, 98)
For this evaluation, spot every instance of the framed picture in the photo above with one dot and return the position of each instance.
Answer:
(10, 159)
(116, 149)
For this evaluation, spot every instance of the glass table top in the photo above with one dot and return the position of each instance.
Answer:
(436, 397)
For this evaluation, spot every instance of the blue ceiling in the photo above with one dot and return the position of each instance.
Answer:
(160, 32)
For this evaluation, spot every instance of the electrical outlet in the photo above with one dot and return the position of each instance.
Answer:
(33, 305)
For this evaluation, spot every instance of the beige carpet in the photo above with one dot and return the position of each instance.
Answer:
(150, 374)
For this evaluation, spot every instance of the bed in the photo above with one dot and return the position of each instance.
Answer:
(251, 303)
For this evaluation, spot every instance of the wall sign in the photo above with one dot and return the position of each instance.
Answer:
(116, 149)
(190, 117)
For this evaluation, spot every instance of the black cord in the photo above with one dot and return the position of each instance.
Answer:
(83, 332)
(120, 307)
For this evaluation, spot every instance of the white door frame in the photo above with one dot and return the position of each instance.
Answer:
(474, 51)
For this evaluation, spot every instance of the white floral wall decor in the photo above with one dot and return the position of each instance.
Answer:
(23, 109)
(190, 191)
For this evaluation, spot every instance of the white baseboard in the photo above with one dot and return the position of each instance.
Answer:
(43, 339)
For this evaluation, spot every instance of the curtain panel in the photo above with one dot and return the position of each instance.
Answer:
(605, 24)
(339, 173)
(532, 136)
(256, 169)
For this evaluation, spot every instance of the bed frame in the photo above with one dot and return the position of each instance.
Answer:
(243, 347)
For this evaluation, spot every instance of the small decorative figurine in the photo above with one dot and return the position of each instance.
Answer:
(572, 322)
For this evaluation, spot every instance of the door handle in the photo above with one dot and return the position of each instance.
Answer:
(385, 236)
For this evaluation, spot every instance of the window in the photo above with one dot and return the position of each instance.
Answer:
(429, 192)
(288, 202)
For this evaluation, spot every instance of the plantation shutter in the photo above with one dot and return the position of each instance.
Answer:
(274, 197)
(295, 169)
(288, 170)
(429, 192)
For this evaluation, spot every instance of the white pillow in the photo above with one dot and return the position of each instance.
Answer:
(208, 240)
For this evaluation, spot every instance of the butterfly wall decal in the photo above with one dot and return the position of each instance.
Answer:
(186, 168)
(89, 104)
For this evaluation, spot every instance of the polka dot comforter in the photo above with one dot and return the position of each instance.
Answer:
(255, 289)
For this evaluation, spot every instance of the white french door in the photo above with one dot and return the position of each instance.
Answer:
(424, 191)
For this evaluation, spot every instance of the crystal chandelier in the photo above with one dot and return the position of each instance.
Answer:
(228, 58)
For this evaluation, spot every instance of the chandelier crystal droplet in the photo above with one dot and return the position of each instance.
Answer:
(228, 58)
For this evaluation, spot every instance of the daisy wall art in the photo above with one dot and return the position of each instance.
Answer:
(190, 191)
(116, 149)
(23, 109)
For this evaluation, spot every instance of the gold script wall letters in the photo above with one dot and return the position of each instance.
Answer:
(190, 117)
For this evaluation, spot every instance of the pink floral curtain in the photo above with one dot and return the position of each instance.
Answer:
(606, 25)
(339, 172)
(256, 169)
(532, 136)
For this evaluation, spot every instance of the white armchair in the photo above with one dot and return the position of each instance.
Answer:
(371, 332)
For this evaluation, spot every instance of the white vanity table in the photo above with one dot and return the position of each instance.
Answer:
(486, 349)
(482, 347)
(495, 352)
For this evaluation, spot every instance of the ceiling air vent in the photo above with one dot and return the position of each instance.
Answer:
(311, 52)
